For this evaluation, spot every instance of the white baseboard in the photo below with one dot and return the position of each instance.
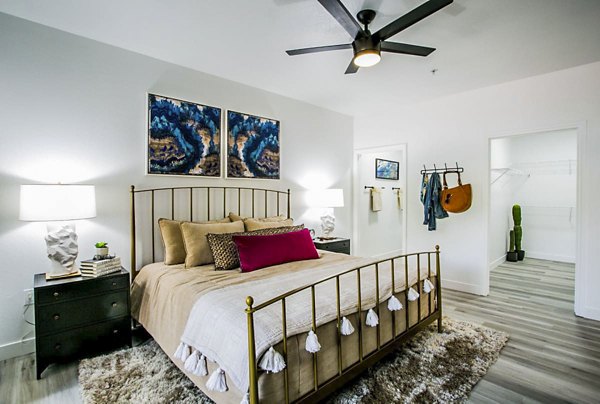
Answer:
(496, 262)
(464, 287)
(388, 254)
(17, 348)
(592, 313)
(550, 257)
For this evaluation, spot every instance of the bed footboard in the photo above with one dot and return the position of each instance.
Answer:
(345, 374)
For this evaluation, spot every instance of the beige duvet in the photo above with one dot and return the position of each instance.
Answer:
(163, 298)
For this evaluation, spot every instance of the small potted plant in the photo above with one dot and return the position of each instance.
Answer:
(511, 255)
(101, 249)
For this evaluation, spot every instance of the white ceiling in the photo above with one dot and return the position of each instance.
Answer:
(479, 43)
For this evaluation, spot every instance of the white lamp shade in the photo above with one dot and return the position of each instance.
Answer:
(326, 198)
(57, 202)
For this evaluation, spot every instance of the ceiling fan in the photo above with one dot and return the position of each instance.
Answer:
(367, 46)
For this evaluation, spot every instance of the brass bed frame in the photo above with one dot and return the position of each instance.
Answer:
(344, 375)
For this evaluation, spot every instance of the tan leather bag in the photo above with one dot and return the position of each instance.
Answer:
(457, 199)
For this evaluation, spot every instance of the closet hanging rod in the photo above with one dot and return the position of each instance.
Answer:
(456, 169)
(370, 187)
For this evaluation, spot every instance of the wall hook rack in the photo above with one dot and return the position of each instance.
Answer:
(371, 187)
(446, 169)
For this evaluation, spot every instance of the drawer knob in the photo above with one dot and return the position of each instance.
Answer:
(56, 317)
(57, 347)
(114, 283)
(56, 294)
(115, 331)
(114, 304)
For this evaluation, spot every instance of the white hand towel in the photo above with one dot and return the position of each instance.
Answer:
(376, 202)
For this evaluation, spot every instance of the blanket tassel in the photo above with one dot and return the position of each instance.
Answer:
(412, 295)
(427, 286)
(312, 342)
(346, 328)
(394, 304)
(372, 319)
(191, 361)
(217, 382)
(201, 369)
(272, 361)
(182, 352)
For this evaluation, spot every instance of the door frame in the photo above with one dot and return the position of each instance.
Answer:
(580, 270)
(357, 194)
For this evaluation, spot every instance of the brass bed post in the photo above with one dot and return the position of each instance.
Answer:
(132, 238)
(439, 287)
(253, 379)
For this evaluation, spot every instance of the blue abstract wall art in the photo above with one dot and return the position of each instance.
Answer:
(184, 138)
(386, 169)
(252, 146)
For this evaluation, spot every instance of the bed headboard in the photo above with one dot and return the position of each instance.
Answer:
(194, 204)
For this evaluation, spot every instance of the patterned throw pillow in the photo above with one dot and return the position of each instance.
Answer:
(225, 252)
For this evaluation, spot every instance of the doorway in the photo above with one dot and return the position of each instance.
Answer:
(381, 233)
(538, 172)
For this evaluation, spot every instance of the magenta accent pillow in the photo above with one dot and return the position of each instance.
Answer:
(263, 251)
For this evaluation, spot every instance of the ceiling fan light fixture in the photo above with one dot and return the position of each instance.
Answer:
(367, 58)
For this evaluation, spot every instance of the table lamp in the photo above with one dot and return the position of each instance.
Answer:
(327, 199)
(57, 204)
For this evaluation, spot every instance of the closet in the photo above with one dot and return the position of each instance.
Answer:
(539, 172)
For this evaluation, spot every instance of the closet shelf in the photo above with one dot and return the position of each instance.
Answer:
(507, 171)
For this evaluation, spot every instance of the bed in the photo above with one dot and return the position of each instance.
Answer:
(238, 319)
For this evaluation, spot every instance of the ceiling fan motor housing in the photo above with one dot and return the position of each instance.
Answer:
(366, 43)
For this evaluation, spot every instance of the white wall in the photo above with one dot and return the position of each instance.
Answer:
(73, 110)
(458, 128)
(390, 219)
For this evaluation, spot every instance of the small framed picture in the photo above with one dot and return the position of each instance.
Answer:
(386, 169)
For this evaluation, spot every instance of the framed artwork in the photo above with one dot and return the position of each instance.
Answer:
(184, 138)
(386, 169)
(252, 146)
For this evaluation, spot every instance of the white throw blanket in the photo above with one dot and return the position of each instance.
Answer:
(217, 324)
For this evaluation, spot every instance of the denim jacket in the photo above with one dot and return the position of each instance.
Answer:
(432, 206)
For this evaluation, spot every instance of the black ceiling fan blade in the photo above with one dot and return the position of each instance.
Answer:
(315, 49)
(410, 18)
(352, 68)
(343, 16)
(407, 49)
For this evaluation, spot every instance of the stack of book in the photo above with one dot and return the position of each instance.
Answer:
(96, 268)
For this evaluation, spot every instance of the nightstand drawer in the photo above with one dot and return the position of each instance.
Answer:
(60, 293)
(60, 316)
(339, 246)
(90, 339)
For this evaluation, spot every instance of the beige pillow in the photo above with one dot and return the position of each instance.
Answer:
(254, 224)
(235, 217)
(172, 239)
(196, 245)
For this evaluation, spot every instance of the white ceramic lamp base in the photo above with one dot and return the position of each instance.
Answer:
(328, 224)
(62, 249)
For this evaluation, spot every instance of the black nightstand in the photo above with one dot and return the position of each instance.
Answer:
(77, 317)
(339, 245)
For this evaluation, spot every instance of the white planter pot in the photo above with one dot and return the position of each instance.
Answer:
(103, 252)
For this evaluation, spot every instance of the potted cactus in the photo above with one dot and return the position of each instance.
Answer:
(516, 213)
(512, 255)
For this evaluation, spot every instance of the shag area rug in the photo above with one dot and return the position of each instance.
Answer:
(431, 367)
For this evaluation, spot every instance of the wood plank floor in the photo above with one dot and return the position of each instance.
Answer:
(551, 357)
